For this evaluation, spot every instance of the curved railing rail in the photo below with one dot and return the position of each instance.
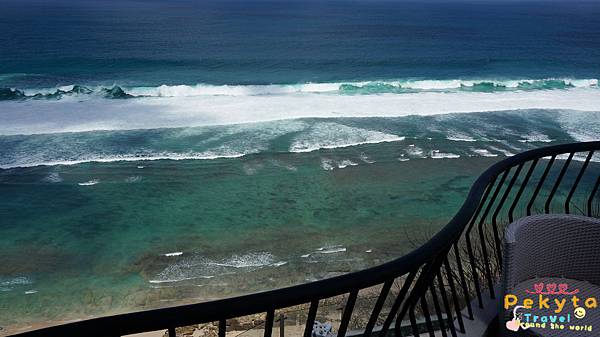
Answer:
(434, 283)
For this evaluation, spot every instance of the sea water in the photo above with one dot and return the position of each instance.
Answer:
(156, 153)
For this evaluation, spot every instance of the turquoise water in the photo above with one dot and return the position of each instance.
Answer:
(116, 227)
(156, 153)
(232, 226)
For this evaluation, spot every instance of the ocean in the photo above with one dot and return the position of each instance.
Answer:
(157, 152)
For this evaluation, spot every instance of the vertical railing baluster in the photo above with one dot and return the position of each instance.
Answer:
(172, 333)
(413, 321)
(471, 260)
(592, 195)
(419, 288)
(269, 323)
(347, 313)
(396, 306)
(377, 308)
(222, 328)
(467, 234)
(557, 183)
(475, 273)
(446, 303)
(577, 180)
(310, 320)
(438, 309)
(495, 222)
(499, 207)
(397, 302)
(459, 317)
(521, 189)
(425, 309)
(539, 185)
(463, 281)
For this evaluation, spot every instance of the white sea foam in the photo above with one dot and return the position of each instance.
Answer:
(248, 260)
(326, 87)
(173, 254)
(503, 151)
(436, 154)
(333, 87)
(414, 151)
(334, 135)
(234, 141)
(184, 269)
(21, 280)
(578, 157)
(460, 138)
(30, 292)
(207, 155)
(484, 152)
(89, 182)
(366, 159)
(582, 127)
(330, 249)
(345, 163)
(232, 90)
(327, 164)
(535, 137)
(9, 284)
(333, 250)
(75, 114)
(279, 264)
(181, 279)
(199, 267)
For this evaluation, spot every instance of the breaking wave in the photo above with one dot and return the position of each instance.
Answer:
(7, 94)
(334, 143)
(199, 267)
(91, 112)
(334, 135)
(345, 88)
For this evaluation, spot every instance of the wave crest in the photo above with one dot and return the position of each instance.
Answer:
(342, 88)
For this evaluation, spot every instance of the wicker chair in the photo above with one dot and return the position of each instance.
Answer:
(542, 253)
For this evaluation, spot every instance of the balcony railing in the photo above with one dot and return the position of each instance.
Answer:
(436, 288)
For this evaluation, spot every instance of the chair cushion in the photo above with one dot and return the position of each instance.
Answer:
(557, 294)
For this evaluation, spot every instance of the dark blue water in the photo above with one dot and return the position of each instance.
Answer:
(49, 43)
(161, 152)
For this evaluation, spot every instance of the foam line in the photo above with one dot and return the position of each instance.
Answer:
(76, 115)
(362, 87)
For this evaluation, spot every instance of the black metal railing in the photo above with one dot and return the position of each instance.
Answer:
(439, 283)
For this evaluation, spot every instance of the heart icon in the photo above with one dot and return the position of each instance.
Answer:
(513, 325)
(551, 288)
(539, 287)
(562, 287)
